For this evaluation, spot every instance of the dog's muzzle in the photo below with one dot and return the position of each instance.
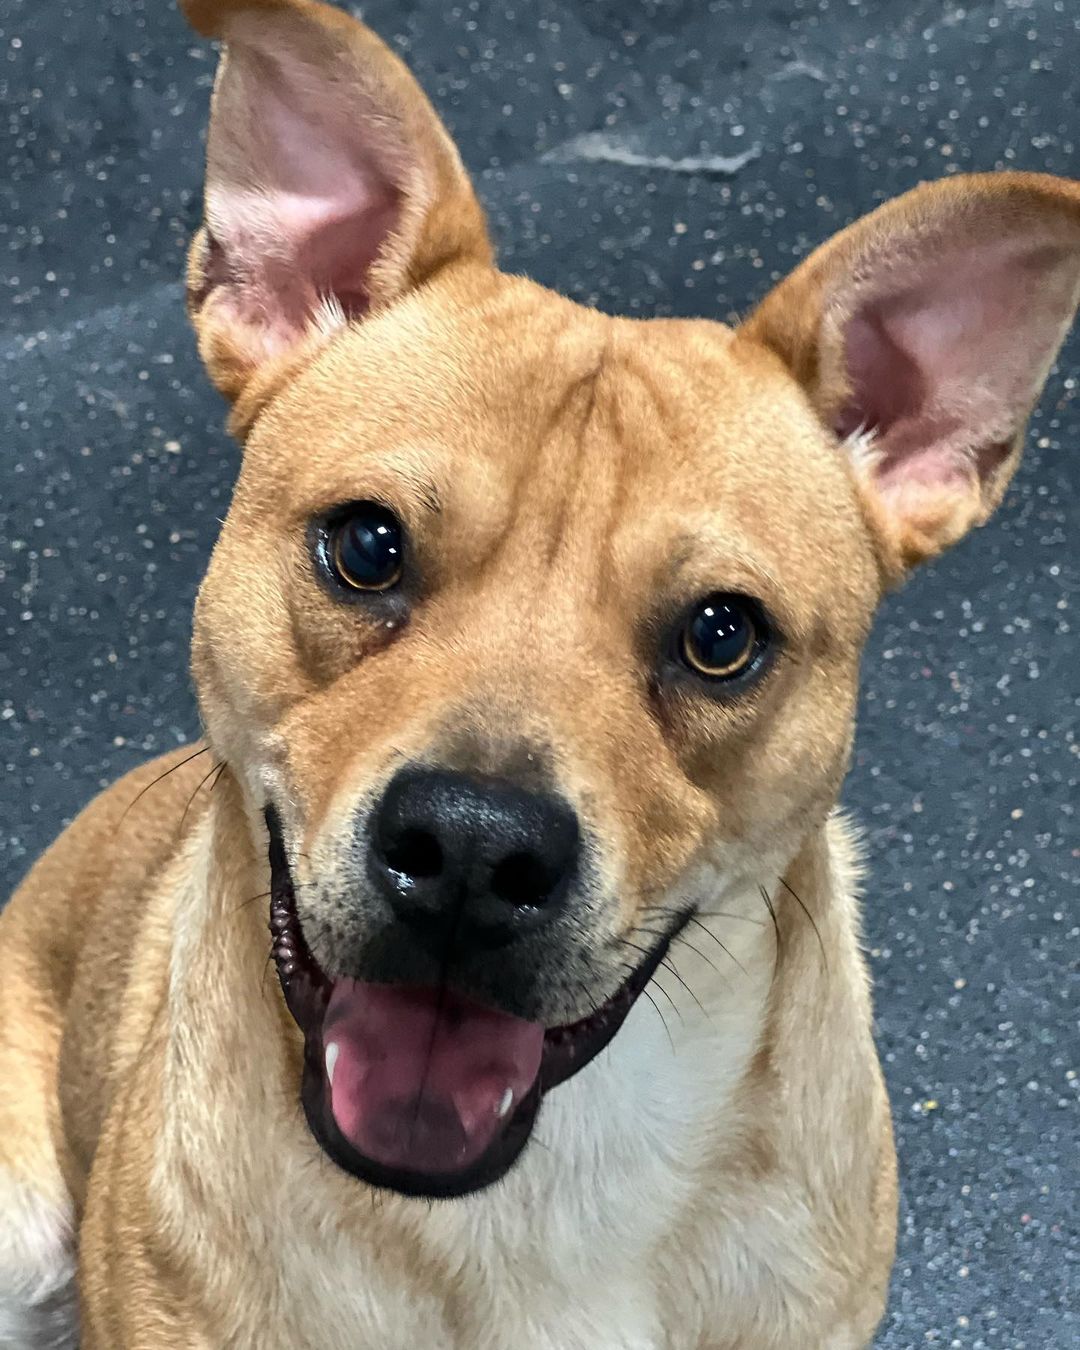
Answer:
(413, 1082)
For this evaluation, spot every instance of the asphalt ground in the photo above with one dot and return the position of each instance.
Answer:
(650, 158)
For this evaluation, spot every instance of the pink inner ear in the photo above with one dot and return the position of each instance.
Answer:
(886, 381)
(306, 189)
(946, 357)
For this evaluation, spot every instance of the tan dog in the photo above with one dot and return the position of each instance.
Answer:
(528, 657)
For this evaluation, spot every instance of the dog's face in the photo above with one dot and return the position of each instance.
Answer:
(527, 650)
(534, 629)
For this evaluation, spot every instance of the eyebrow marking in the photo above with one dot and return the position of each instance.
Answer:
(683, 551)
(429, 496)
(695, 552)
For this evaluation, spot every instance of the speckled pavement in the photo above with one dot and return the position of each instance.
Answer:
(652, 158)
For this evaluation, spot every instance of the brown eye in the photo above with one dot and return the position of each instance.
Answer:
(723, 637)
(365, 548)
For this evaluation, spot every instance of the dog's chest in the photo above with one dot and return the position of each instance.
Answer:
(614, 1317)
(703, 1290)
(583, 1247)
(495, 1300)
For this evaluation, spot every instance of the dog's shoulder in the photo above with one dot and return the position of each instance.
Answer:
(70, 933)
(115, 843)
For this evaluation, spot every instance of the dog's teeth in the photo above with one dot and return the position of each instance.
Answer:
(332, 1052)
(506, 1103)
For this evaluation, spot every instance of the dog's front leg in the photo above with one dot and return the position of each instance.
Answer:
(136, 1289)
(36, 1259)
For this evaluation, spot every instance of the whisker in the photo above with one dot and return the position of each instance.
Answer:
(726, 950)
(705, 913)
(776, 926)
(711, 964)
(675, 1007)
(244, 903)
(686, 943)
(726, 914)
(813, 924)
(650, 932)
(297, 885)
(217, 774)
(217, 769)
(160, 778)
(627, 943)
(583, 989)
(656, 1008)
(667, 964)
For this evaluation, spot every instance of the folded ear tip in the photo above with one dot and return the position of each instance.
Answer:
(208, 17)
(205, 16)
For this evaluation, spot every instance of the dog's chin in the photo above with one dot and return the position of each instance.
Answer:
(422, 1090)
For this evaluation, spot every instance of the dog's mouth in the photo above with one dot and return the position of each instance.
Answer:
(419, 1089)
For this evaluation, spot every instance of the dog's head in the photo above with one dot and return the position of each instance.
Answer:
(531, 628)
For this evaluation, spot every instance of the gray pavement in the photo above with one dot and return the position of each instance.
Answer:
(650, 157)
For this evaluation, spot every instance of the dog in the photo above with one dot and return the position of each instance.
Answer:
(527, 660)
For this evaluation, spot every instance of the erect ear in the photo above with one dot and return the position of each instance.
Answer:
(923, 335)
(331, 185)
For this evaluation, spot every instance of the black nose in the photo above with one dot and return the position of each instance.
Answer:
(472, 860)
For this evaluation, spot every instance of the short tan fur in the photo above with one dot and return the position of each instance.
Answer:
(569, 481)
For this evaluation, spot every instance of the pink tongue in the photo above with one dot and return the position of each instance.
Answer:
(421, 1079)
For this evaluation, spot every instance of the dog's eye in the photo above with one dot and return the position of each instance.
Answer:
(723, 637)
(365, 548)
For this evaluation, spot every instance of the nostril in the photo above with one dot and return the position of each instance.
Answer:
(414, 853)
(469, 858)
(523, 879)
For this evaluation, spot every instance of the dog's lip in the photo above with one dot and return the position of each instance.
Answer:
(567, 1048)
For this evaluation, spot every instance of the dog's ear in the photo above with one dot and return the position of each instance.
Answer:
(923, 335)
(331, 185)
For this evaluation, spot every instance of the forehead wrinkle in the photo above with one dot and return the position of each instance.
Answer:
(583, 391)
(631, 462)
(556, 402)
(607, 444)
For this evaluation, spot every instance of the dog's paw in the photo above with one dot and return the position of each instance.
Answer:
(37, 1271)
